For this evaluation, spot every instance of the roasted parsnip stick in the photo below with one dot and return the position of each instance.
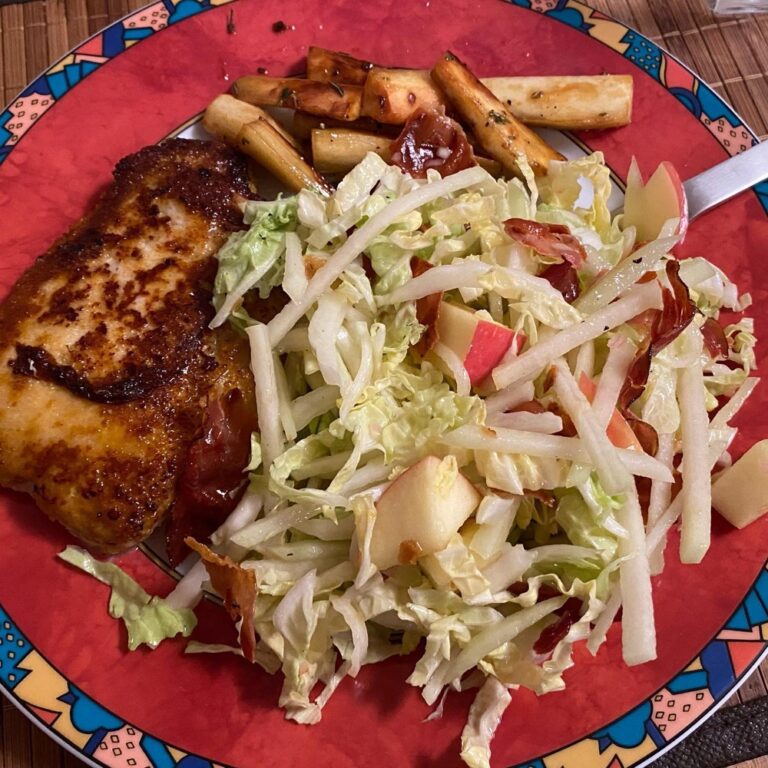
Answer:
(255, 133)
(496, 129)
(303, 124)
(327, 66)
(569, 103)
(338, 150)
(574, 103)
(226, 115)
(579, 102)
(262, 142)
(393, 95)
(341, 102)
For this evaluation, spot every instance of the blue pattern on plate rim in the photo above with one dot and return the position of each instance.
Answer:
(93, 731)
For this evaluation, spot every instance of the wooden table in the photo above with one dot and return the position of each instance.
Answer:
(730, 52)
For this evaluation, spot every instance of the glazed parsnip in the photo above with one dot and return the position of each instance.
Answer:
(392, 95)
(226, 115)
(341, 102)
(338, 150)
(303, 124)
(270, 149)
(496, 129)
(566, 102)
(328, 66)
(570, 103)
(259, 136)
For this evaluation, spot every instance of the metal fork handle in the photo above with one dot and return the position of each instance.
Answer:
(727, 179)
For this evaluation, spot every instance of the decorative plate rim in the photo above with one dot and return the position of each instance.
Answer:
(76, 721)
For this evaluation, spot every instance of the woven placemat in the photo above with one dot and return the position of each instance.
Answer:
(730, 52)
(732, 735)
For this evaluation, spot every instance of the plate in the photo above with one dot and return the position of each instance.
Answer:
(63, 661)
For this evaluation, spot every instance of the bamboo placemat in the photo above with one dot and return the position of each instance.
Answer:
(729, 52)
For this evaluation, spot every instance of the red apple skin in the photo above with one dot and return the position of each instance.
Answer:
(480, 344)
(489, 345)
(618, 431)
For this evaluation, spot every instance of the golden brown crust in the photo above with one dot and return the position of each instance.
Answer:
(119, 305)
(106, 361)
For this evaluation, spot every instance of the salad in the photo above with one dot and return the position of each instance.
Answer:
(472, 408)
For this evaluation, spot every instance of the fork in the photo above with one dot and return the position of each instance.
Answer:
(725, 180)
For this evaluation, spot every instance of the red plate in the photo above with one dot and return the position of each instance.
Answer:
(64, 661)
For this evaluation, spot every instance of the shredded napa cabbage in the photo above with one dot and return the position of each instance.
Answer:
(149, 620)
(368, 399)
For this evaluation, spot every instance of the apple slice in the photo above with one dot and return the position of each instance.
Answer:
(421, 510)
(478, 342)
(647, 206)
(740, 493)
(618, 431)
